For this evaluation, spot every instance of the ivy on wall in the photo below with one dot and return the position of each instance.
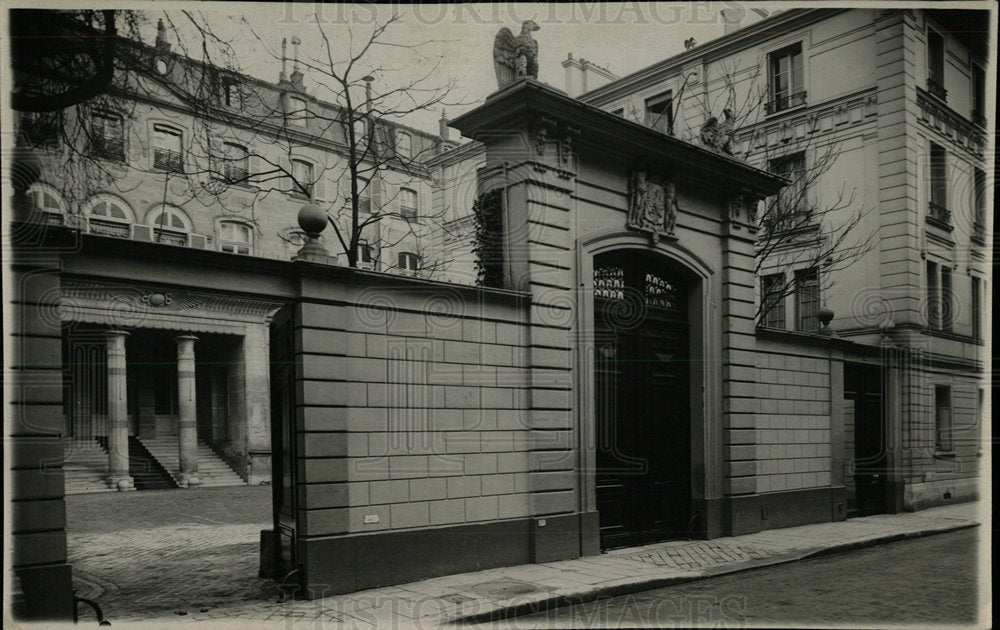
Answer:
(488, 245)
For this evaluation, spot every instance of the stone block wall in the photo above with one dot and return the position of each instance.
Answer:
(793, 418)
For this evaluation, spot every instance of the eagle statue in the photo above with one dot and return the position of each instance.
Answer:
(515, 57)
(718, 136)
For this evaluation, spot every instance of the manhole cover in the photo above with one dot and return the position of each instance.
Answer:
(456, 598)
(503, 589)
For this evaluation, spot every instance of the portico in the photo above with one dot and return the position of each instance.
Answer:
(154, 385)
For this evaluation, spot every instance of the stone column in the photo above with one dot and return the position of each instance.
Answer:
(187, 412)
(117, 423)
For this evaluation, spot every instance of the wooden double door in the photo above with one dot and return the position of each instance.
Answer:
(642, 369)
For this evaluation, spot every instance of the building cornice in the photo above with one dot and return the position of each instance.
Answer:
(529, 104)
(753, 35)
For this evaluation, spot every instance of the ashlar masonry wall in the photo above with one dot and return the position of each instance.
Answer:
(412, 429)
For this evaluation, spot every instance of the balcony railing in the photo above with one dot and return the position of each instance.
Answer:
(170, 237)
(167, 160)
(979, 233)
(108, 148)
(110, 228)
(788, 101)
(939, 215)
(936, 89)
(236, 173)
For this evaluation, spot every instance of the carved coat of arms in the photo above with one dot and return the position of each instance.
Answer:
(652, 204)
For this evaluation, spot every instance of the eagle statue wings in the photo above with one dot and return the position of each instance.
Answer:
(515, 57)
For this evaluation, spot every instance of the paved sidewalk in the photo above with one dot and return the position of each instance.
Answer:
(504, 592)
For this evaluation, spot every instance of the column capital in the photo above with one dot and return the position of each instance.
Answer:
(185, 337)
(113, 333)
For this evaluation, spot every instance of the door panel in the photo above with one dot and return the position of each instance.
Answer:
(863, 390)
(642, 402)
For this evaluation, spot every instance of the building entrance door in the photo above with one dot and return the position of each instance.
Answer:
(642, 366)
(865, 433)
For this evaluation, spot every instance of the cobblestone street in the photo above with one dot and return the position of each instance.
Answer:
(168, 550)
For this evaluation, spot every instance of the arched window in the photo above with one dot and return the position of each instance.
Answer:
(170, 225)
(235, 237)
(45, 199)
(110, 216)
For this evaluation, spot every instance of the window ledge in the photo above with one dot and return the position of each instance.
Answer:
(941, 225)
(944, 454)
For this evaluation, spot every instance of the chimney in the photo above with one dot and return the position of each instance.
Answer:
(297, 75)
(443, 131)
(583, 75)
(444, 134)
(162, 44)
(731, 19)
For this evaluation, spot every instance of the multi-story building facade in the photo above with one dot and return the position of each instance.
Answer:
(879, 119)
(194, 156)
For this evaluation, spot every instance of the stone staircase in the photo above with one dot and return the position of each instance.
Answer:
(85, 466)
(212, 469)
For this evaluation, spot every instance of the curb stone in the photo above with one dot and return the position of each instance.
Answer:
(607, 592)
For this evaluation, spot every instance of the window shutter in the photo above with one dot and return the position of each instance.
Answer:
(319, 190)
(256, 165)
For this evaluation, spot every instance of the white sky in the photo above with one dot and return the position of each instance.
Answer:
(622, 37)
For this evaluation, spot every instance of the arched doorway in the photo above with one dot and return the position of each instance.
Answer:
(642, 396)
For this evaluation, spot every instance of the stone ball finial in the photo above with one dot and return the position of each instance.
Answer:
(312, 219)
(25, 168)
(825, 316)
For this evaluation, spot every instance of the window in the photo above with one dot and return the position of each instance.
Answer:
(110, 217)
(364, 252)
(786, 87)
(408, 203)
(935, 64)
(933, 297)
(364, 196)
(235, 237)
(942, 418)
(302, 173)
(297, 111)
(660, 113)
(947, 299)
(167, 149)
(978, 95)
(360, 132)
(773, 299)
(107, 138)
(403, 144)
(169, 226)
(409, 262)
(48, 202)
(790, 209)
(231, 94)
(979, 206)
(41, 129)
(236, 165)
(938, 210)
(807, 299)
(977, 309)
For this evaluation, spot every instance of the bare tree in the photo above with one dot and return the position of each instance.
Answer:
(798, 228)
(248, 133)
